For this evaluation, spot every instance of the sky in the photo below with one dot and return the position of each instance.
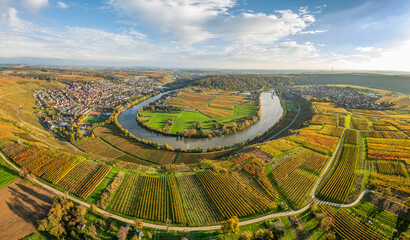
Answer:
(222, 34)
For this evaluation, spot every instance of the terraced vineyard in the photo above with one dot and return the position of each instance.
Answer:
(391, 167)
(234, 198)
(337, 188)
(83, 179)
(194, 197)
(293, 179)
(389, 149)
(155, 198)
(349, 227)
(317, 142)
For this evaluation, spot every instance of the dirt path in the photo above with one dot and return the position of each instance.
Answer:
(21, 205)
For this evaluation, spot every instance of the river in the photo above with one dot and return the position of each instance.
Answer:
(271, 111)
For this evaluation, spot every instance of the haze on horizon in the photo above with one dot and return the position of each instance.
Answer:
(235, 34)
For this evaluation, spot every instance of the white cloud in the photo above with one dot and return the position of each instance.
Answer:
(11, 19)
(313, 32)
(183, 18)
(192, 21)
(34, 5)
(61, 5)
(260, 27)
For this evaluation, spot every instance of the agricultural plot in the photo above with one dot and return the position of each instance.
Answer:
(371, 134)
(337, 188)
(388, 149)
(84, 178)
(352, 136)
(198, 206)
(256, 168)
(205, 110)
(391, 167)
(328, 107)
(276, 147)
(7, 130)
(113, 137)
(386, 222)
(232, 197)
(348, 227)
(188, 158)
(360, 123)
(322, 119)
(98, 147)
(391, 134)
(155, 198)
(317, 142)
(332, 130)
(6, 175)
(293, 180)
(399, 185)
(384, 128)
(241, 158)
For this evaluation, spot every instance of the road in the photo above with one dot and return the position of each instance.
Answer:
(288, 126)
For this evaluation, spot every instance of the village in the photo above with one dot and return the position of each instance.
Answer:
(70, 112)
(345, 97)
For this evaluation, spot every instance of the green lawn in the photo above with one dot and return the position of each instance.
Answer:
(94, 120)
(186, 119)
(240, 111)
(7, 175)
(182, 120)
(290, 105)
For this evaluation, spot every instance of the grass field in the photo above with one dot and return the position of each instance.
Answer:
(93, 120)
(7, 175)
(202, 108)
(290, 105)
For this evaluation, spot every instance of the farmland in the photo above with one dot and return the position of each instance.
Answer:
(199, 189)
(338, 186)
(202, 114)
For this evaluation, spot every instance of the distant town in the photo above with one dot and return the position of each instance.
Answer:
(344, 97)
(72, 111)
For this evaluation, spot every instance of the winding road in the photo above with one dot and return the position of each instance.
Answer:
(213, 227)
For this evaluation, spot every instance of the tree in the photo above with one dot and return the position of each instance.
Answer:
(139, 224)
(247, 235)
(230, 226)
(91, 233)
(93, 208)
(168, 223)
(407, 202)
(122, 233)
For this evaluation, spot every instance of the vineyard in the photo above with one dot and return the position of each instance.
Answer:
(388, 149)
(256, 168)
(71, 172)
(349, 227)
(322, 119)
(360, 123)
(293, 180)
(318, 142)
(233, 197)
(148, 197)
(332, 130)
(391, 134)
(391, 167)
(83, 179)
(114, 137)
(278, 146)
(398, 184)
(338, 186)
(328, 107)
(352, 136)
(194, 197)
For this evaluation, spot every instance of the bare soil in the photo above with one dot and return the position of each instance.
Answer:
(21, 205)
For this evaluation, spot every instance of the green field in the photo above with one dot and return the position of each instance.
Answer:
(239, 111)
(7, 175)
(93, 120)
(290, 105)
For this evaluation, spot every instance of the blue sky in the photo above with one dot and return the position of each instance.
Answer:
(247, 34)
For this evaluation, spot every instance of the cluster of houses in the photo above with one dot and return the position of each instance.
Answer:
(345, 97)
(67, 107)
